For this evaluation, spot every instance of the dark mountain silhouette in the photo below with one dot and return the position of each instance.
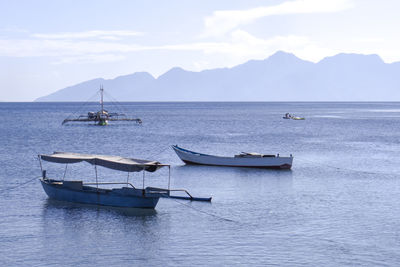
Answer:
(280, 77)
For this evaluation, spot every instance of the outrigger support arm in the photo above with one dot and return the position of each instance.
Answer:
(167, 194)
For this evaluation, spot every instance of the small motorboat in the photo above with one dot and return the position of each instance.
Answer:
(287, 116)
(290, 116)
(244, 159)
(126, 196)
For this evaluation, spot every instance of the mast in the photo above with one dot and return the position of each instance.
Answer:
(101, 101)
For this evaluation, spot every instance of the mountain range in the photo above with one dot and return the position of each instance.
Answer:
(280, 77)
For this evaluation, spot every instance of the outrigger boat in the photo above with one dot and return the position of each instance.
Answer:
(243, 159)
(102, 117)
(127, 196)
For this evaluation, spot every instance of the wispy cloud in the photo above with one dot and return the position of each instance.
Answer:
(73, 47)
(239, 44)
(63, 48)
(108, 35)
(224, 21)
(90, 58)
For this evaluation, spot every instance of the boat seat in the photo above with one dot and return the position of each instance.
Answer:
(76, 185)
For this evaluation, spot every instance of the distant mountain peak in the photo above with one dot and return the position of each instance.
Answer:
(175, 71)
(282, 55)
(353, 58)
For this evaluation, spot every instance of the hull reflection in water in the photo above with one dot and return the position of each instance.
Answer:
(54, 204)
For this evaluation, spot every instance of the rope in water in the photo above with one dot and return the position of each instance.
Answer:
(158, 153)
(23, 183)
(18, 185)
(346, 169)
(202, 211)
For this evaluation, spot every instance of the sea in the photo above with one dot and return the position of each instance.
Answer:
(339, 205)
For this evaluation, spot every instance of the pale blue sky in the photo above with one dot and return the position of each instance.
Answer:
(50, 44)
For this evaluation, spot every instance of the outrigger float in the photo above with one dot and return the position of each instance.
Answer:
(127, 196)
(102, 117)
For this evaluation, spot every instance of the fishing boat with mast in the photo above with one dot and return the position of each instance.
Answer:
(102, 117)
(97, 193)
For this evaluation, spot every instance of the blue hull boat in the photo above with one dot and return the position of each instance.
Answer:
(127, 196)
(75, 191)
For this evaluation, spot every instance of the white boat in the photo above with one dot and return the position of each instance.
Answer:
(243, 159)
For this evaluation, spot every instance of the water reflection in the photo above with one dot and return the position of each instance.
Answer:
(51, 205)
(70, 229)
(280, 176)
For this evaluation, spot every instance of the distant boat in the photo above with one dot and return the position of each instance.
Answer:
(102, 117)
(243, 159)
(287, 116)
(290, 116)
(127, 196)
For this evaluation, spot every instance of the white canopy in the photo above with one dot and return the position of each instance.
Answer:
(111, 162)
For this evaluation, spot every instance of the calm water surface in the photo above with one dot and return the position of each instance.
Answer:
(338, 206)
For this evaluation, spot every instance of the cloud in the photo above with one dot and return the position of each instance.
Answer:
(68, 51)
(238, 47)
(244, 45)
(107, 35)
(89, 58)
(68, 44)
(224, 21)
(73, 47)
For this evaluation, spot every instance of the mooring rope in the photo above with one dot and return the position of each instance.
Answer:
(18, 185)
(346, 169)
(158, 153)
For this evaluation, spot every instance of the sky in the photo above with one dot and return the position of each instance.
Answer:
(47, 45)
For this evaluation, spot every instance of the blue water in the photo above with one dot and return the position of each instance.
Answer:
(338, 206)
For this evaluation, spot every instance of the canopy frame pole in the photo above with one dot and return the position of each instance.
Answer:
(127, 180)
(65, 171)
(40, 163)
(97, 183)
(169, 178)
(143, 177)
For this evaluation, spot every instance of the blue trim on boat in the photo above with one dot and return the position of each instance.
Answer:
(188, 151)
